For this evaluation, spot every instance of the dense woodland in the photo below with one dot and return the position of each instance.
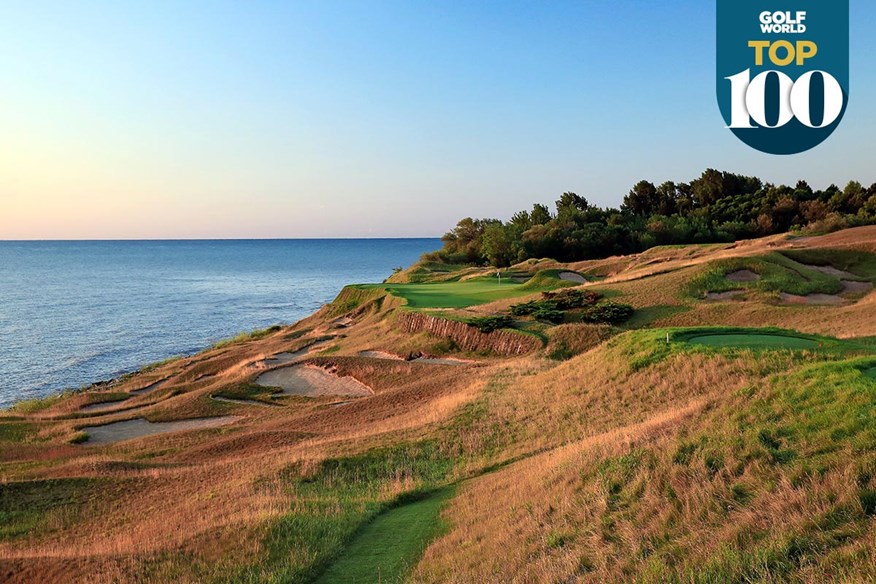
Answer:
(716, 207)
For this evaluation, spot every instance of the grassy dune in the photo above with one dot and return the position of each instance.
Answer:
(699, 441)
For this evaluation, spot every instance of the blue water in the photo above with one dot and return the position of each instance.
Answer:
(72, 313)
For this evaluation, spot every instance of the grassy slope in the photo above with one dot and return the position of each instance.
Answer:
(386, 549)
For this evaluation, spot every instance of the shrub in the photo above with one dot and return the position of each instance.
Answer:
(571, 299)
(549, 313)
(488, 324)
(607, 313)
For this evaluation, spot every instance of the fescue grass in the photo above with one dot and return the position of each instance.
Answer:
(248, 391)
(858, 263)
(15, 431)
(32, 506)
(250, 336)
(32, 406)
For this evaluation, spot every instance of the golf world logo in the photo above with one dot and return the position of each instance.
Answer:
(783, 71)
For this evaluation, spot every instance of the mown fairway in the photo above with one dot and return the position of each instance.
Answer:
(387, 548)
(458, 294)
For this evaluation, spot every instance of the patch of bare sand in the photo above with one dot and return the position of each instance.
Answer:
(573, 277)
(381, 355)
(442, 361)
(743, 276)
(139, 427)
(831, 271)
(149, 388)
(729, 295)
(850, 287)
(102, 407)
(816, 299)
(312, 381)
(245, 402)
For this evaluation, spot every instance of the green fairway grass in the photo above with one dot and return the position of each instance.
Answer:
(871, 373)
(754, 341)
(387, 548)
(463, 294)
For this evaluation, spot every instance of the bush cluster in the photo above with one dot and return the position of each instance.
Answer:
(488, 324)
(607, 313)
(554, 304)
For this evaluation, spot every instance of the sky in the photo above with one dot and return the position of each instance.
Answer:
(367, 118)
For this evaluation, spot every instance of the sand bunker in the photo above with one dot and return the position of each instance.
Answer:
(573, 277)
(245, 402)
(831, 271)
(818, 299)
(381, 355)
(729, 295)
(293, 356)
(137, 428)
(743, 276)
(429, 360)
(442, 361)
(101, 407)
(312, 381)
(850, 287)
(149, 388)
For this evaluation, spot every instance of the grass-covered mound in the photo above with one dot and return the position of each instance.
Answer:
(776, 273)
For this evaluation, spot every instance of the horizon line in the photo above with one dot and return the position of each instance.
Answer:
(115, 239)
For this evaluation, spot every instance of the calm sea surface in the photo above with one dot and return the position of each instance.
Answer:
(72, 313)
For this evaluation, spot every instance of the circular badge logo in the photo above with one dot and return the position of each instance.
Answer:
(783, 71)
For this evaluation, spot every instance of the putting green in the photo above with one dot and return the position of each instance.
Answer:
(386, 549)
(754, 341)
(871, 372)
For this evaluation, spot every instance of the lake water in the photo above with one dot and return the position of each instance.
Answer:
(72, 313)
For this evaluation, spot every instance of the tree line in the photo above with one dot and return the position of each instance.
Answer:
(716, 207)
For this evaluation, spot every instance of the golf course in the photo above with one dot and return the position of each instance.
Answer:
(676, 415)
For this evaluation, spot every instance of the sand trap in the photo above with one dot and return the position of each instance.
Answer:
(245, 402)
(429, 360)
(312, 381)
(381, 355)
(831, 271)
(442, 361)
(743, 276)
(149, 388)
(118, 431)
(573, 277)
(729, 295)
(294, 356)
(101, 407)
(850, 287)
(818, 299)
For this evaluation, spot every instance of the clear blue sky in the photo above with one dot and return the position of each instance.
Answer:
(366, 118)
